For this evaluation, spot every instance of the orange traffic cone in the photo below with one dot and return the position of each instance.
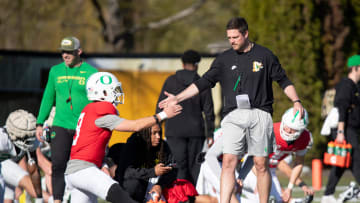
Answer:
(316, 174)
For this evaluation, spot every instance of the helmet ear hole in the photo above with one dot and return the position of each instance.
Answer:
(104, 92)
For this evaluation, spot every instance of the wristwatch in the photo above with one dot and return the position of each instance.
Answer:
(340, 132)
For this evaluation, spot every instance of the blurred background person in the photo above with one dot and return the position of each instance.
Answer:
(347, 101)
(186, 132)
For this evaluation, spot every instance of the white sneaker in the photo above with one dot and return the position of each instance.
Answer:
(350, 193)
(328, 199)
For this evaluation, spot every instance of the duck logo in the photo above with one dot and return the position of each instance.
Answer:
(257, 66)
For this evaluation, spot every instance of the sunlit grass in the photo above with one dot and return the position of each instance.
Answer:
(297, 193)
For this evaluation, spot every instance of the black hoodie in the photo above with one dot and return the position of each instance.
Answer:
(190, 122)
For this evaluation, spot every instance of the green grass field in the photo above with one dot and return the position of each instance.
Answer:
(344, 181)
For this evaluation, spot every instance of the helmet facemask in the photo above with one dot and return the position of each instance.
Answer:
(119, 95)
(287, 136)
(27, 144)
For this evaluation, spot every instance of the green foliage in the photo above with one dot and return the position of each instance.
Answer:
(352, 19)
(40, 25)
(206, 25)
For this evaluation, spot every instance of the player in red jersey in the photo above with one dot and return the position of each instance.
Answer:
(291, 137)
(95, 125)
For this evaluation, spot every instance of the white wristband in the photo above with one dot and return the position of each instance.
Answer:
(162, 115)
(290, 186)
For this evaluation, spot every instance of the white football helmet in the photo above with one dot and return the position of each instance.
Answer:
(294, 122)
(104, 86)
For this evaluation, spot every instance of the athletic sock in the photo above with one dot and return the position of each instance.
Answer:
(39, 200)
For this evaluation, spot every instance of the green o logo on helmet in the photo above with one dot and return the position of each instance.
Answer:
(105, 79)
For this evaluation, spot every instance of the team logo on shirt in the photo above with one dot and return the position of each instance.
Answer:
(257, 66)
(53, 134)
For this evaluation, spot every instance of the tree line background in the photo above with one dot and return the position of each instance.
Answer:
(312, 38)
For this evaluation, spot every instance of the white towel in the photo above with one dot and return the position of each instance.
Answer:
(331, 121)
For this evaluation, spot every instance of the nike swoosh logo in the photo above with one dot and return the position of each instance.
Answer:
(82, 71)
(233, 67)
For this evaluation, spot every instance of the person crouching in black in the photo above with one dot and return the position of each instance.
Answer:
(146, 155)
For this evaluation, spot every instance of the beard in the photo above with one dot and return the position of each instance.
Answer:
(242, 47)
(75, 62)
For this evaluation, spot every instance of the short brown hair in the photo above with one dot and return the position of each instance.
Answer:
(238, 23)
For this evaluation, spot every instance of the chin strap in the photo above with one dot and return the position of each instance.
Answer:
(31, 161)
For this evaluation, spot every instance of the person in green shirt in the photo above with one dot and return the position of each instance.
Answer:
(65, 90)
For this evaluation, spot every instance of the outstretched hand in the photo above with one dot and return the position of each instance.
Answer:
(172, 109)
(171, 99)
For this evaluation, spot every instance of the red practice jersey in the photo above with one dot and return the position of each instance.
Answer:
(283, 148)
(90, 141)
